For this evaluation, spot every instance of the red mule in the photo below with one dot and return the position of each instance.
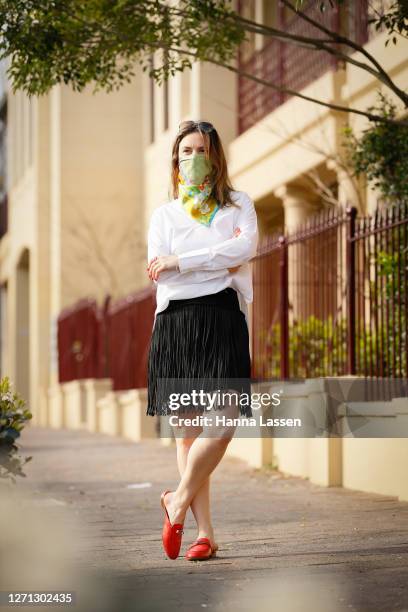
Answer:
(200, 550)
(172, 534)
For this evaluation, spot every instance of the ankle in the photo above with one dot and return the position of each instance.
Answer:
(206, 533)
(177, 505)
(176, 512)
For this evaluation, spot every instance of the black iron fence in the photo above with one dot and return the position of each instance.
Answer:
(332, 298)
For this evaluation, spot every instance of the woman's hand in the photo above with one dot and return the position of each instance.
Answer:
(160, 263)
(237, 232)
(170, 262)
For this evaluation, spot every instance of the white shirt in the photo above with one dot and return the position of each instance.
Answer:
(205, 252)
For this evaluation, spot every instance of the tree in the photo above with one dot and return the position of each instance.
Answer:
(99, 41)
(381, 154)
(105, 253)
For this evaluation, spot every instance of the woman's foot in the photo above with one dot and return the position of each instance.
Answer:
(200, 550)
(210, 536)
(171, 532)
(176, 516)
(174, 512)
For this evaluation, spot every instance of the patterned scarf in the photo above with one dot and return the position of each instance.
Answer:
(197, 201)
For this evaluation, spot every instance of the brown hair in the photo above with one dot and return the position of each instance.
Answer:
(214, 151)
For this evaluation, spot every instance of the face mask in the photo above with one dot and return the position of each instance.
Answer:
(195, 169)
(195, 188)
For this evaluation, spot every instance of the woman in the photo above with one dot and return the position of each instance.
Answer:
(199, 246)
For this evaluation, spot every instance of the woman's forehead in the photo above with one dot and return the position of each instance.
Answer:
(192, 139)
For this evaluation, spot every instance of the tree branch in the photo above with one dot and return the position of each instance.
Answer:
(346, 41)
(319, 45)
(368, 115)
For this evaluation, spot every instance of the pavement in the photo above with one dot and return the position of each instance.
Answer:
(87, 519)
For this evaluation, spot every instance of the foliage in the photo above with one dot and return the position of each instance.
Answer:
(381, 153)
(395, 19)
(100, 42)
(392, 282)
(68, 41)
(13, 416)
(318, 347)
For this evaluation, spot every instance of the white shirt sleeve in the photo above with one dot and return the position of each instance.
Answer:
(229, 253)
(156, 246)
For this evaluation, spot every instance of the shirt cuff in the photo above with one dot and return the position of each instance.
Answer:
(193, 259)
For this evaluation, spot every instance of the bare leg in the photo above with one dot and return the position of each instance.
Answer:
(203, 457)
(200, 504)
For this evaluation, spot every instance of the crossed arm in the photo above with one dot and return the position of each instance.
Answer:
(210, 262)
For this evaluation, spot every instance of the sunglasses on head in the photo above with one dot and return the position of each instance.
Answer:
(204, 126)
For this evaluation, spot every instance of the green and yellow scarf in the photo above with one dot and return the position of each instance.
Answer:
(194, 195)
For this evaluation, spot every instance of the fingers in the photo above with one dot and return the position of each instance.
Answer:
(237, 232)
(151, 269)
(150, 262)
(160, 263)
(154, 268)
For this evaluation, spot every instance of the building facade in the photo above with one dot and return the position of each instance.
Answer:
(82, 172)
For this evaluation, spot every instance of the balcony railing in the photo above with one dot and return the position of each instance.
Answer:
(291, 66)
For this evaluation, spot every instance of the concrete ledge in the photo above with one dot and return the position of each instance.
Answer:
(93, 390)
(376, 465)
(379, 419)
(55, 412)
(43, 408)
(108, 414)
(257, 452)
(135, 424)
(72, 404)
(371, 451)
(166, 433)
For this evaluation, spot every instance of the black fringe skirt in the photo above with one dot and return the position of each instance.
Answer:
(205, 342)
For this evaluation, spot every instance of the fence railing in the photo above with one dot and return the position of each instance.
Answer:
(129, 327)
(332, 298)
(290, 66)
(111, 341)
(80, 342)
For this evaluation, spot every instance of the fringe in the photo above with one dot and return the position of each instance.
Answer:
(199, 342)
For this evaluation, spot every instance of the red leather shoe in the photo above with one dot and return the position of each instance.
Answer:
(172, 534)
(200, 550)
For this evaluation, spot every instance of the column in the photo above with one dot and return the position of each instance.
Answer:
(297, 208)
(296, 204)
(348, 189)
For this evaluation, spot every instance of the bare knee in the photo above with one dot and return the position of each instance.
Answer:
(185, 436)
(186, 442)
(221, 438)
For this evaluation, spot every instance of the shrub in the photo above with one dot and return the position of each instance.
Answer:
(13, 416)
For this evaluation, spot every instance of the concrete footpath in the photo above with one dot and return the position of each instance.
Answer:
(284, 544)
